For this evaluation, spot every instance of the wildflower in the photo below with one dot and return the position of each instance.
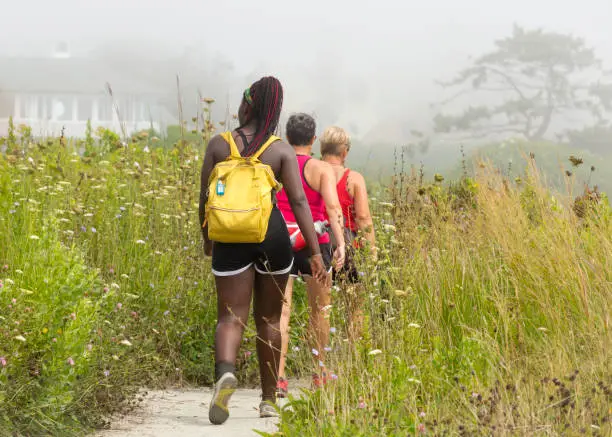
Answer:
(5, 267)
(45, 330)
(362, 404)
(414, 325)
(166, 312)
(89, 346)
(105, 290)
(134, 314)
(122, 208)
(115, 357)
(296, 348)
(3, 362)
(118, 216)
(83, 229)
(119, 305)
(140, 242)
(151, 285)
(327, 349)
(387, 204)
(180, 278)
(106, 373)
(70, 361)
(321, 364)
(400, 293)
(9, 281)
(34, 237)
(315, 352)
(332, 330)
(125, 343)
(54, 340)
(12, 211)
(114, 285)
(124, 276)
(146, 149)
(421, 428)
(14, 301)
(375, 352)
(416, 381)
(111, 270)
(389, 227)
(334, 376)
(73, 316)
(93, 230)
(422, 414)
(247, 354)
(326, 308)
(20, 338)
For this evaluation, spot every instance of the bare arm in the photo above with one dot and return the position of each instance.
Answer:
(214, 145)
(290, 176)
(362, 209)
(328, 191)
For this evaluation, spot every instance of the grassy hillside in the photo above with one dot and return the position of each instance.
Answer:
(487, 311)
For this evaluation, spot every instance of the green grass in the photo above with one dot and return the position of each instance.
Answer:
(488, 296)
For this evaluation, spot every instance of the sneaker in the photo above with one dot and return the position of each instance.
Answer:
(224, 389)
(282, 388)
(319, 381)
(267, 409)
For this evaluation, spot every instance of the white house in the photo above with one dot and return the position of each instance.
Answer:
(62, 91)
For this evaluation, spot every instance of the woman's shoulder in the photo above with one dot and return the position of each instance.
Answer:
(356, 179)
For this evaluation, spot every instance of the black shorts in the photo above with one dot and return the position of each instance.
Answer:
(348, 272)
(301, 264)
(273, 256)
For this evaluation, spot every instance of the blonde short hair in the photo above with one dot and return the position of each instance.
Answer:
(333, 139)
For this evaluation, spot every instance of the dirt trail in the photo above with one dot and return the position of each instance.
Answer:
(184, 413)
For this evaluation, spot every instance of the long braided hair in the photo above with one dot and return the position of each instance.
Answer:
(265, 101)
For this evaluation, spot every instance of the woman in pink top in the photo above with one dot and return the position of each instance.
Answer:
(319, 182)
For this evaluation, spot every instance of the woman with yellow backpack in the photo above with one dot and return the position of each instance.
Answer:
(248, 239)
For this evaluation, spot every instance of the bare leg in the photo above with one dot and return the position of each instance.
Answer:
(319, 297)
(268, 307)
(284, 327)
(233, 303)
(354, 294)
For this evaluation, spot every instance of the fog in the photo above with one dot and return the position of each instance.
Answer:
(366, 65)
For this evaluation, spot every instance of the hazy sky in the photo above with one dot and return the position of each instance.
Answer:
(394, 48)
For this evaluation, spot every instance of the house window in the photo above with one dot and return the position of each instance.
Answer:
(85, 108)
(7, 105)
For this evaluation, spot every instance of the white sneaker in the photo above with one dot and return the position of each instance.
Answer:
(224, 389)
(266, 409)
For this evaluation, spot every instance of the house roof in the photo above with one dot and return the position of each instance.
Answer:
(81, 75)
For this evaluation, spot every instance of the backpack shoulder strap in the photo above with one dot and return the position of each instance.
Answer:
(264, 146)
(228, 137)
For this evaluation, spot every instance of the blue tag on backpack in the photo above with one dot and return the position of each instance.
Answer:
(220, 188)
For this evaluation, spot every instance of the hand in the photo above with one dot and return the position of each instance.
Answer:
(339, 256)
(208, 247)
(317, 267)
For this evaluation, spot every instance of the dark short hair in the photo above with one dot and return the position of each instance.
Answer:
(300, 129)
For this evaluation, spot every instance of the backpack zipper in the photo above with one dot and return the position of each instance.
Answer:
(234, 210)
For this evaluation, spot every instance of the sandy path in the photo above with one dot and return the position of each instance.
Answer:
(184, 413)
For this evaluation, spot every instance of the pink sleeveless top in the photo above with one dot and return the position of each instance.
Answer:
(315, 201)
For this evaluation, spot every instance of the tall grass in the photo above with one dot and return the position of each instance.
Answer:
(487, 311)
(488, 315)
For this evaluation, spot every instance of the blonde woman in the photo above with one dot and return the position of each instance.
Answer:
(353, 197)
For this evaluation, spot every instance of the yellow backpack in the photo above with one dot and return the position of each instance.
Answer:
(240, 196)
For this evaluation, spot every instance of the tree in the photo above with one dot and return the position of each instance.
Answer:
(532, 78)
